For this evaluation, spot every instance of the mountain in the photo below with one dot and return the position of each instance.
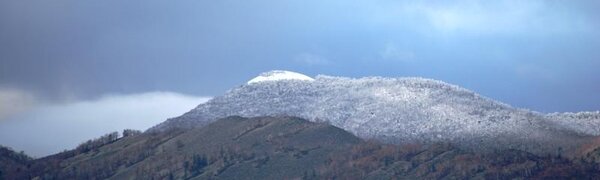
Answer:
(397, 110)
(12, 164)
(285, 125)
(285, 148)
(581, 122)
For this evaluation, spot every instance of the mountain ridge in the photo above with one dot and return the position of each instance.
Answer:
(397, 110)
(290, 148)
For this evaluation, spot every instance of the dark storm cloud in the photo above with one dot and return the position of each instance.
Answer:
(540, 55)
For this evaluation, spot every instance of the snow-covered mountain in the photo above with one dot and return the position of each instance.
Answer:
(581, 122)
(392, 109)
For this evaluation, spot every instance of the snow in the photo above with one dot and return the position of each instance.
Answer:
(277, 75)
(392, 110)
(587, 123)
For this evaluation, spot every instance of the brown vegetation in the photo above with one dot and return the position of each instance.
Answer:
(282, 148)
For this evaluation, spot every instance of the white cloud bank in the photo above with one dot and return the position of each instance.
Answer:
(50, 128)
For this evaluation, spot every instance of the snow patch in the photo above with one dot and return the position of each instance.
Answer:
(277, 75)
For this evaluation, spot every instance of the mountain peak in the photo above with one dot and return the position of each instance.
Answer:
(395, 110)
(276, 75)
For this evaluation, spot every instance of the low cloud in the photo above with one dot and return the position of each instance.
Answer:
(43, 129)
(14, 101)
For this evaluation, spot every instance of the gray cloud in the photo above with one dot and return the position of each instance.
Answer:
(68, 50)
(51, 128)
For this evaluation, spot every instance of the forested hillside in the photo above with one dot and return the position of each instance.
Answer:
(284, 148)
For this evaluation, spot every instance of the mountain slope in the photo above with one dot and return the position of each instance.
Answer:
(582, 122)
(398, 110)
(12, 164)
(290, 148)
(257, 148)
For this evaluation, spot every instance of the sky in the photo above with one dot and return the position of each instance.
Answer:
(57, 55)
(51, 128)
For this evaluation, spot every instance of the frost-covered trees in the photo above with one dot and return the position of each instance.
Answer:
(391, 109)
(587, 123)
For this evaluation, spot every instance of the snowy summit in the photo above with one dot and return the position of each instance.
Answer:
(396, 110)
(277, 75)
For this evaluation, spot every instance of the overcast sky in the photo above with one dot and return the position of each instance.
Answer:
(540, 55)
(48, 128)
